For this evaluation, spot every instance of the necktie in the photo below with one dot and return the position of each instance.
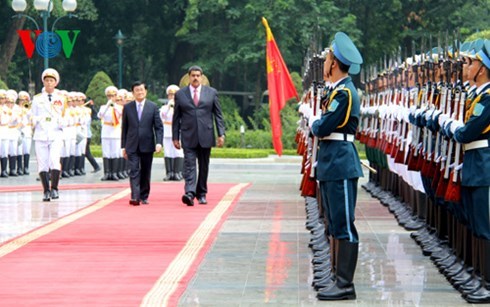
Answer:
(49, 97)
(140, 108)
(196, 99)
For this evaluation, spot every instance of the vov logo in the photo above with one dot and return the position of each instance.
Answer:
(56, 41)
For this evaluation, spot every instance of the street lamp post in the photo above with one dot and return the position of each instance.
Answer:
(44, 7)
(119, 37)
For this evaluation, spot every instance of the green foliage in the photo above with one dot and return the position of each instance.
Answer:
(479, 35)
(3, 85)
(230, 110)
(96, 88)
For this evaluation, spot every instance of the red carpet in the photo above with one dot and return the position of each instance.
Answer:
(113, 254)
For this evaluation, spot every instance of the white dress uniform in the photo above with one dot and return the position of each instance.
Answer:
(26, 130)
(166, 114)
(110, 118)
(4, 130)
(47, 116)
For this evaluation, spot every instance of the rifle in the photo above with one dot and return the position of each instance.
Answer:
(405, 100)
(453, 190)
(318, 87)
(447, 151)
(412, 156)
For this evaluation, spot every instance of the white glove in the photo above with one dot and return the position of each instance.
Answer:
(455, 124)
(413, 109)
(443, 118)
(312, 119)
(436, 112)
(428, 114)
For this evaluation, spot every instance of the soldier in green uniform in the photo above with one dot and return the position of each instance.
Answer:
(339, 166)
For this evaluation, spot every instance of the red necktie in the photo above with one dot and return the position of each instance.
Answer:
(196, 99)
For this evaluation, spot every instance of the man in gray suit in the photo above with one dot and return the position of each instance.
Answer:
(195, 108)
(142, 134)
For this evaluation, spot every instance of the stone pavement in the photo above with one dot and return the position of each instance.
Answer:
(261, 255)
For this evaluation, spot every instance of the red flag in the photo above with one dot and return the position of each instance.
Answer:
(279, 84)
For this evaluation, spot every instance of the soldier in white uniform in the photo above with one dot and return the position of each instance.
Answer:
(69, 134)
(110, 135)
(24, 103)
(174, 158)
(13, 133)
(4, 143)
(47, 115)
(82, 133)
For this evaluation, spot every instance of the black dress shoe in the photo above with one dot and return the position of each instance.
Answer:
(145, 202)
(54, 194)
(188, 199)
(47, 196)
(202, 200)
(134, 202)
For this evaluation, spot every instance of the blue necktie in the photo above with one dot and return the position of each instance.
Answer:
(140, 108)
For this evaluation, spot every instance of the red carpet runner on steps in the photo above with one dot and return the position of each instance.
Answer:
(113, 254)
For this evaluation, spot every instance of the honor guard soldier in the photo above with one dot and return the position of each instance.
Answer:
(4, 142)
(69, 136)
(174, 158)
(339, 166)
(47, 115)
(13, 133)
(474, 134)
(110, 116)
(26, 131)
(81, 132)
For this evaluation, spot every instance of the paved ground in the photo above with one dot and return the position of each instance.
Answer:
(260, 256)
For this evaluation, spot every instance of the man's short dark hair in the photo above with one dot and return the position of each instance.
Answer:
(344, 68)
(194, 68)
(137, 83)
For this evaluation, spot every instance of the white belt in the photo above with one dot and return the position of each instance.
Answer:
(475, 145)
(338, 137)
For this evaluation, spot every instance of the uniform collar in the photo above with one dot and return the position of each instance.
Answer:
(482, 87)
(342, 80)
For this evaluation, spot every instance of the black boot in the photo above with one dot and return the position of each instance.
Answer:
(55, 179)
(64, 167)
(120, 166)
(12, 162)
(169, 169)
(3, 162)
(78, 166)
(107, 171)
(125, 168)
(482, 295)
(26, 164)
(44, 176)
(113, 168)
(178, 168)
(82, 165)
(71, 166)
(20, 169)
(343, 288)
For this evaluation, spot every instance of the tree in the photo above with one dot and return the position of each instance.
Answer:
(96, 88)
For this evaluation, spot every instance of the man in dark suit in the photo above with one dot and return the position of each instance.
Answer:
(141, 126)
(196, 106)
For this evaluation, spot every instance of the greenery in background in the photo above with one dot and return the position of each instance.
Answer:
(227, 39)
(3, 85)
(96, 88)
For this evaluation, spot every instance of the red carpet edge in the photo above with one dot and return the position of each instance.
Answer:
(170, 286)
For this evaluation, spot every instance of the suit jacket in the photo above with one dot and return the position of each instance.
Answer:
(193, 125)
(141, 134)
